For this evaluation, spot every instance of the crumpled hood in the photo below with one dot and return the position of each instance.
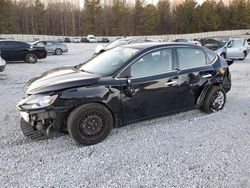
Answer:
(60, 78)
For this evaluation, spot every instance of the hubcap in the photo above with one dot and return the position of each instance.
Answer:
(91, 124)
(58, 52)
(31, 58)
(218, 100)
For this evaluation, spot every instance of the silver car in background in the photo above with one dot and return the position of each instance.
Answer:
(228, 48)
(2, 64)
(53, 47)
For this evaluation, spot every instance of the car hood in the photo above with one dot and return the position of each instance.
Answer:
(60, 78)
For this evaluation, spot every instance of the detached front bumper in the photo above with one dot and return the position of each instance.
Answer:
(43, 120)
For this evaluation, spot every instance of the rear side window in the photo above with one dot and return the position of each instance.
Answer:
(190, 58)
(211, 57)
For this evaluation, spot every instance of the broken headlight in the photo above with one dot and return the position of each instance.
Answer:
(35, 102)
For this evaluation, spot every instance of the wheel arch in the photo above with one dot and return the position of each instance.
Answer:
(114, 116)
(204, 92)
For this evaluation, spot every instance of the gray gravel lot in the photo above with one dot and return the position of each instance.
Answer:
(190, 149)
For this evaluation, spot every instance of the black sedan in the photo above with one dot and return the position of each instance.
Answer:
(21, 51)
(124, 85)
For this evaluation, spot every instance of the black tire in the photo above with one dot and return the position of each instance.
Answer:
(90, 123)
(29, 131)
(58, 51)
(223, 55)
(215, 93)
(244, 55)
(30, 58)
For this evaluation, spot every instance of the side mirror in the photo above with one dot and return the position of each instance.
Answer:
(130, 91)
(99, 49)
(229, 45)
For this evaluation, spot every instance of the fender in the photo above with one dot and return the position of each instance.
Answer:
(206, 88)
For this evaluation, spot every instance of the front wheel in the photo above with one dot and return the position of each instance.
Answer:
(215, 100)
(30, 58)
(90, 123)
(223, 55)
(58, 51)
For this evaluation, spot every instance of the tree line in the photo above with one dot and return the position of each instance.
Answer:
(66, 17)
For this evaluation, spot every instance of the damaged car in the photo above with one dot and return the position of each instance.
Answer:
(126, 84)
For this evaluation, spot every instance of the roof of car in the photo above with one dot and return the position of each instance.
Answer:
(158, 44)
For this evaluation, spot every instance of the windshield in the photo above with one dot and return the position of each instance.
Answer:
(116, 43)
(109, 61)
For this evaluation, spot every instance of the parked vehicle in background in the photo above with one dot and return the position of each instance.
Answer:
(2, 64)
(77, 39)
(52, 47)
(196, 42)
(228, 48)
(126, 84)
(91, 38)
(21, 51)
(67, 40)
(104, 40)
(84, 39)
(119, 42)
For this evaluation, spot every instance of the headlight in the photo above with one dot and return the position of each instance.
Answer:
(36, 102)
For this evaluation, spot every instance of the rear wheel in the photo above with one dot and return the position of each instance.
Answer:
(90, 123)
(30, 58)
(215, 100)
(58, 51)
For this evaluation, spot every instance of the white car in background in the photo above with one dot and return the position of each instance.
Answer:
(91, 38)
(2, 64)
(77, 39)
(228, 48)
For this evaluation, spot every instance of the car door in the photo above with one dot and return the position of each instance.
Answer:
(152, 87)
(234, 49)
(9, 51)
(194, 71)
(50, 47)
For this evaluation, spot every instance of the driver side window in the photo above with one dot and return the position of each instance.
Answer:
(153, 63)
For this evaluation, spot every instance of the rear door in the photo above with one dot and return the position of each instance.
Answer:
(235, 48)
(50, 47)
(15, 50)
(194, 72)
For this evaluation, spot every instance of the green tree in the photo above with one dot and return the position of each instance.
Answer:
(138, 17)
(186, 18)
(8, 19)
(120, 18)
(208, 18)
(93, 20)
(150, 20)
(38, 18)
(165, 17)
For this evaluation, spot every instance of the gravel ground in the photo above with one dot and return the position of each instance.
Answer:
(190, 149)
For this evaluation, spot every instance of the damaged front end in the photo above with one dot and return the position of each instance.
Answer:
(39, 117)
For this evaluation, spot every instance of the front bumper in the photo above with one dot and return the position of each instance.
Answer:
(44, 120)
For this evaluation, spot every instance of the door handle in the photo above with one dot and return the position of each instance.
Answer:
(170, 83)
(207, 76)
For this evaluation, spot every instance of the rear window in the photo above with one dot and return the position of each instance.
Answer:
(211, 57)
(190, 58)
